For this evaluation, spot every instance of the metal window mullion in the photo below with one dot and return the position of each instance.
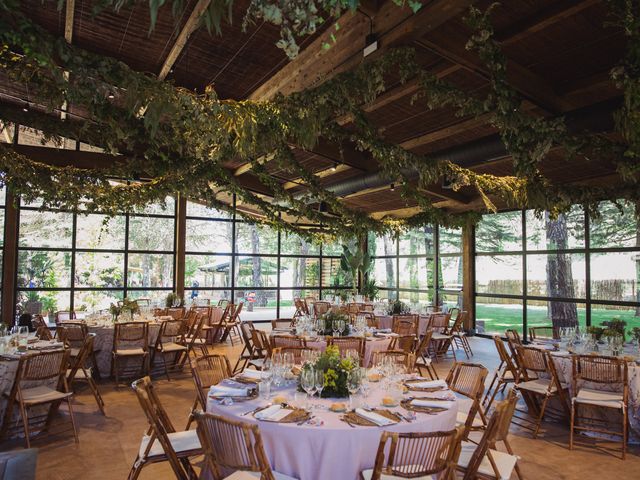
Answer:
(72, 280)
(233, 251)
(523, 219)
(587, 266)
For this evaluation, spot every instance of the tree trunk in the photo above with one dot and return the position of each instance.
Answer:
(300, 268)
(389, 250)
(257, 266)
(559, 274)
(412, 266)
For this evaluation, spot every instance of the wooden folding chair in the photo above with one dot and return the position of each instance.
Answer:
(80, 372)
(74, 334)
(281, 324)
(207, 371)
(405, 324)
(467, 379)
(460, 339)
(423, 356)
(130, 341)
(538, 382)
(40, 380)
(406, 343)
(195, 339)
(507, 372)
(162, 443)
(177, 313)
(287, 341)
(320, 308)
(544, 333)
(171, 342)
(372, 321)
(234, 446)
(513, 340)
(399, 357)
(248, 351)
(42, 329)
(262, 348)
(600, 383)
(483, 460)
(348, 343)
(441, 338)
(415, 455)
(231, 325)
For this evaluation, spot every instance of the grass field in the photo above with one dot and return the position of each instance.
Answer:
(497, 318)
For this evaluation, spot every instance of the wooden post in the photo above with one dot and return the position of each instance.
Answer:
(10, 260)
(468, 276)
(181, 231)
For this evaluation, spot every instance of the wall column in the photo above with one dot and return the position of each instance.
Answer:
(10, 254)
(468, 275)
(181, 235)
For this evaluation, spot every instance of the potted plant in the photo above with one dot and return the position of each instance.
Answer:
(174, 300)
(398, 307)
(595, 332)
(616, 325)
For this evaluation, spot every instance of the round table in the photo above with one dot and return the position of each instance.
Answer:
(332, 450)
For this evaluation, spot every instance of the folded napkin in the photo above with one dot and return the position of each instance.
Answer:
(252, 374)
(42, 345)
(222, 391)
(384, 330)
(274, 413)
(432, 403)
(430, 384)
(379, 420)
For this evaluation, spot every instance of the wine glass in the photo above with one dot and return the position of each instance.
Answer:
(341, 326)
(353, 355)
(334, 326)
(319, 376)
(354, 381)
(308, 383)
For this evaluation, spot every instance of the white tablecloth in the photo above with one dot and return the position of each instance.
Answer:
(333, 451)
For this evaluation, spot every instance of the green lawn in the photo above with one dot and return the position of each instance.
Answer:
(497, 318)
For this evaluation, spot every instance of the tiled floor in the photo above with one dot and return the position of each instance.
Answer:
(108, 444)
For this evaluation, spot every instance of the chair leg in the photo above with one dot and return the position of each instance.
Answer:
(73, 421)
(96, 394)
(540, 417)
(164, 364)
(493, 381)
(191, 417)
(134, 473)
(625, 431)
(507, 445)
(571, 424)
(25, 424)
(493, 395)
(94, 363)
(114, 364)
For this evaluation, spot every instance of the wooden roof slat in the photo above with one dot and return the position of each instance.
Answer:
(445, 132)
(68, 21)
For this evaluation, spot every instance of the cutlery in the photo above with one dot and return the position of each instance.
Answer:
(348, 422)
(253, 411)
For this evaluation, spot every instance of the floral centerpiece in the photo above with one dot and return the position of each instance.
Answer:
(398, 307)
(616, 326)
(129, 306)
(595, 332)
(336, 371)
(329, 321)
(636, 334)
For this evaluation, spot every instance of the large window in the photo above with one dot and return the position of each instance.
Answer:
(571, 270)
(227, 258)
(85, 262)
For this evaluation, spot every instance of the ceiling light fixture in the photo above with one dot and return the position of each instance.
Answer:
(392, 187)
(110, 95)
(335, 166)
(25, 107)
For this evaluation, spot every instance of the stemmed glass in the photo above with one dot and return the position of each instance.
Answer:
(354, 381)
(264, 386)
(334, 327)
(319, 376)
(308, 383)
(341, 326)
(23, 337)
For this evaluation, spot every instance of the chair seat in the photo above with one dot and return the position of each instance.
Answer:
(171, 347)
(129, 351)
(540, 386)
(42, 394)
(505, 463)
(257, 362)
(440, 336)
(74, 352)
(368, 474)
(599, 398)
(244, 475)
(461, 419)
(507, 375)
(80, 375)
(182, 442)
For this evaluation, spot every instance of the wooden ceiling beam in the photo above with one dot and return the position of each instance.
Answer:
(192, 23)
(68, 20)
(446, 193)
(554, 13)
(325, 172)
(442, 133)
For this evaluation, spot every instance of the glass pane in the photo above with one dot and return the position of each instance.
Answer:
(390, 295)
(203, 271)
(556, 275)
(299, 272)
(46, 303)
(605, 313)
(384, 245)
(499, 232)
(495, 315)
(416, 300)
(566, 231)
(201, 296)
(259, 304)
(95, 301)
(100, 231)
(562, 314)
(45, 229)
(157, 298)
(451, 273)
(256, 272)
(499, 274)
(3, 195)
(615, 276)
(416, 273)
(151, 233)
(195, 209)
(204, 236)
(38, 269)
(419, 241)
(254, 239)
(158, 209)
(293, 244)
(150, 270)
(332, 274)
(332, 248)
(97, 269)
(451, 300)
(450, 240)
(287, 309)
(384, 272)
(614, 228)
(1, 228)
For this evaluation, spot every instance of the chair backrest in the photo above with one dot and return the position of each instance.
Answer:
(128, 333)
(80, 360)
(547, 333)
(301, 307)
(412, 455)
(287, 341)
(64, 315)
(236, 312)
(223, 302)
(399, 357)
(458, 323)
(209, 370)
(177, 313)
(281, 323)
(44, 366)
(261, 342)
(505, 358)
(372, 322)
(513, 340)
(73, 334)
(467, 379)
(354, 307)
(172, 331)
(320, 308)
(439, 321)
(159, 424)
(245, 331)
(404, 327)
(296, 351)
(455, 313)
(600, 369)
(366, 307)
(406, 343)
(204, 310)
(423, 347)
(536, 363)
(231, 445)
(348, 343)
(160, 311)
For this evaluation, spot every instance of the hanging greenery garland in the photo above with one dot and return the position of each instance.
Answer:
(181, 141)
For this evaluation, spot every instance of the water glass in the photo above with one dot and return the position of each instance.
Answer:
(264, 388)
(319, 376)
(308, 383)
